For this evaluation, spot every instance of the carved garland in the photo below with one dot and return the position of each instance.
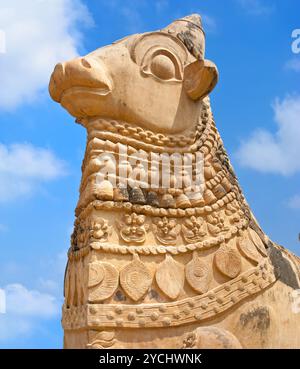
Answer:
(189, 310)
(156, 250)
(99, 128)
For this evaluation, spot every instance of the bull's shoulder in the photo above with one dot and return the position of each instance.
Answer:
(286, 264)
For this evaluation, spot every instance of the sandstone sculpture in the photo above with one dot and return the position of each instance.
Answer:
(175, 267)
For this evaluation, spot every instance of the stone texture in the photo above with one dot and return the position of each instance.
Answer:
(164, 268)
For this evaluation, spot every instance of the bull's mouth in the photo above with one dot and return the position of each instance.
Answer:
(101, 91)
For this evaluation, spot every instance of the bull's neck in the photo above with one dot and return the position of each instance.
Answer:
(218, 201)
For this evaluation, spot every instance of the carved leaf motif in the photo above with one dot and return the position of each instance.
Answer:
(107, 277)
(135, 279)
(96, 274)
(257, 242)
(248, 249)
(228, 261)
(170, 277)
(198, 274)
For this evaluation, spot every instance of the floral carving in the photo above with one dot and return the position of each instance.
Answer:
(193, 229)
(100, 230)
(216, 224)
(166, 230)
(133, 228)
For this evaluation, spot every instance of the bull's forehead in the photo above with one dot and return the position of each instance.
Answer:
(139, 46)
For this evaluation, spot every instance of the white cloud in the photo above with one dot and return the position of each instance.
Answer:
(38, 34)
(23, 302)
(24, 310)
(55, 267)
(277, 152)
(294, 202)
(293, 64)
(256, 7)
(3, 228)
(23, 167)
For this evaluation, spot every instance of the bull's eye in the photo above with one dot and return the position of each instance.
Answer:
(163, 67)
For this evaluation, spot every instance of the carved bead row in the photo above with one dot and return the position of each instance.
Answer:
(153, 211)
(100, 126)
(178, 313)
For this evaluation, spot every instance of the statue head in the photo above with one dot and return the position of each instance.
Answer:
(156, 80)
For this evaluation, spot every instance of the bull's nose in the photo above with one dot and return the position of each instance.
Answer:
(80, 72)
(56, 81)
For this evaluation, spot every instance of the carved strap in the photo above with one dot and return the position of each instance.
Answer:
(190, 310)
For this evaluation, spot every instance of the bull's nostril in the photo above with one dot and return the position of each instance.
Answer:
(59, 69)
(85, 63)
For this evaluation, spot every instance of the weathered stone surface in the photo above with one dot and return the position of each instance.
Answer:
(164, 267)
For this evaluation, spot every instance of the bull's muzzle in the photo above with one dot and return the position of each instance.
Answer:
(79, 75)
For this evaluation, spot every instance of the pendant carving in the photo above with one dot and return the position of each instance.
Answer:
(198, 274)
(170, 277)
(135, 279)
(103, 280)
(228, 262)
(249, 251)
(257, 242)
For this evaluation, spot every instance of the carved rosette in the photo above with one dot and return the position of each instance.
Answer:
(133, 228)
(166, 230)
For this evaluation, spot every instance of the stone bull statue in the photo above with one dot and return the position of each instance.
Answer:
(177, 266)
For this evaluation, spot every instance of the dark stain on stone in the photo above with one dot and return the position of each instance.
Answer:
(152, 199)
(188, 39)
(154, 295)
(283, 269)
(256, 319)
(119, 296)
(137, 196)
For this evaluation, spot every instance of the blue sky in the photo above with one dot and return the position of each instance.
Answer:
(256, 106)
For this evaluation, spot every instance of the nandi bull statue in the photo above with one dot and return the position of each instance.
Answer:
(179, 266)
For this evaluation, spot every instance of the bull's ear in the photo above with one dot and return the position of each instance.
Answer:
(200, 78)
